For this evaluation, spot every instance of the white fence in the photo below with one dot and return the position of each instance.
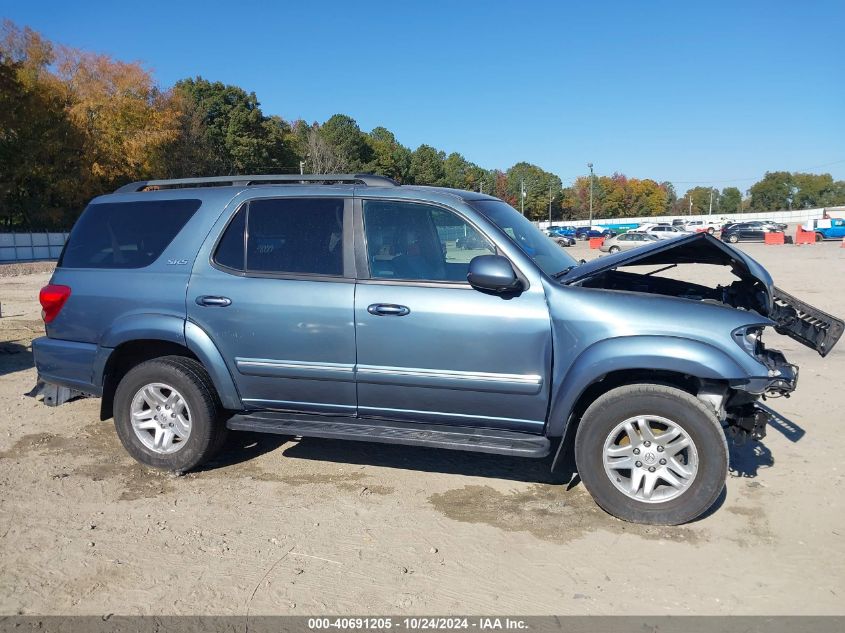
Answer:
(29, 247)
(798, 216)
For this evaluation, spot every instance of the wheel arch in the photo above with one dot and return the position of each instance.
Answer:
(144, 337)
(612, 363)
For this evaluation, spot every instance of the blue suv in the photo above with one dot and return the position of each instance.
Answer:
(349, 307)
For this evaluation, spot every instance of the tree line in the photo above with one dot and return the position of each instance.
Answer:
(76, 124)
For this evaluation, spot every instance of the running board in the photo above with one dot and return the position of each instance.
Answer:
(459, 438)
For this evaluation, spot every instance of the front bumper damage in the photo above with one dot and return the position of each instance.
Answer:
(744, 418)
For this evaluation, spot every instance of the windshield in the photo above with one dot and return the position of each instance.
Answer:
(548, 256)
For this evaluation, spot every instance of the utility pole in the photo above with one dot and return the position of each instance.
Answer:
(590, 165)
(711, 202)
(550, 205)
(689, 195)
(522, 196)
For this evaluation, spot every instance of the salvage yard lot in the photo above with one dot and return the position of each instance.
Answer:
(276, 525)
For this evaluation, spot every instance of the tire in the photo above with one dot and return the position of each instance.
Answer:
(711, 230)
(706, 458)
(196, 413)
(733, 239)
(614, 249)
(819, 237)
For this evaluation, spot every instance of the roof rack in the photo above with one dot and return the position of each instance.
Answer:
(370, 180)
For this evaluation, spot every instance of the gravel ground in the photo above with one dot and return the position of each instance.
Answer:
(276, 526)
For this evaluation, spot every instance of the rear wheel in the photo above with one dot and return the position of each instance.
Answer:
(711, 230)
(167, 414)
(614, 249)
(651, 454)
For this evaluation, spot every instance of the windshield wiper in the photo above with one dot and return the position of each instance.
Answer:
(561, 273)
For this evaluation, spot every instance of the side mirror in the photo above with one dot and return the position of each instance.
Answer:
(493, 273)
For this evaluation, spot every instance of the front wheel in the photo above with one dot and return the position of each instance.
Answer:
(733, 239)
(167, 414)
(651, 454)
(614, 249)
(819, 237)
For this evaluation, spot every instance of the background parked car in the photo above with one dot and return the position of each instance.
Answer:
(471, 241)
(585, 233)
(626, 241)
(563, 231)
(666, 232)
(827, 228)
(697, 226)
(562, 240)
(745, 232)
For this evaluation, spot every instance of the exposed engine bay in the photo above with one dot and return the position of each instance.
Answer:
(745, 294)
(753, 289)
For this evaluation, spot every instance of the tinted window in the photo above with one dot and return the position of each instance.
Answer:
(407, 240)
(230, 250)
(125, 234)
(295, 235)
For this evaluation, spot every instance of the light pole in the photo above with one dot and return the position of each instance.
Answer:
(590, 165)
(550, 205)
(522, 196)
(710, 212)
(301, 167)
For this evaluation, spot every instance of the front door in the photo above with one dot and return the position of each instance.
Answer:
(430, 347)
(276, 296)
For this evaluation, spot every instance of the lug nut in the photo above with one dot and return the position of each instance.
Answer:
(636, 451)
(659, 449)
(638, 464)
(646, 443)
(651, 469)
(158, 408)
(662, 462)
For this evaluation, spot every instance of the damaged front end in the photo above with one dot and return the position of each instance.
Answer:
(736, 403)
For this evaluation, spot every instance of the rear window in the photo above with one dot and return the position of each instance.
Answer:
(125, 234)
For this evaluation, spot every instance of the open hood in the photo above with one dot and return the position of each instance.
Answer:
(695, 248)
(753, 290)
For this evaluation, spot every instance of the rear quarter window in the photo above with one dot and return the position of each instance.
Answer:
(125, 234)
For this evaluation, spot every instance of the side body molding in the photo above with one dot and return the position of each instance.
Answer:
(664, 353)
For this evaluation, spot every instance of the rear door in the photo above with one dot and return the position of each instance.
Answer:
(276, 293)
(430, 347)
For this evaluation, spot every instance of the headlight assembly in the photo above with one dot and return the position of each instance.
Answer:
(749, 339)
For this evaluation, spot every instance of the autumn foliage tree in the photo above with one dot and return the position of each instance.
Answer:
(76, 124)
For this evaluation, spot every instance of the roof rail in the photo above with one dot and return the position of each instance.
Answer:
(370, 180)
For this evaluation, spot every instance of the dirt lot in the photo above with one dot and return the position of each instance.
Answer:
(279, 526)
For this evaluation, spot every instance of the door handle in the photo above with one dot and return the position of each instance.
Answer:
(388, 309)
(208, 300)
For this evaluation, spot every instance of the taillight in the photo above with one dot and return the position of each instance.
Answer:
(52, 299)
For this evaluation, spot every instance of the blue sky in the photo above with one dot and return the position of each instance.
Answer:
(712, 93)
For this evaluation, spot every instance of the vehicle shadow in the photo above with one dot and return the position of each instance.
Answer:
(414, 458)
(747, 458)
(14, 357)
(243, 446)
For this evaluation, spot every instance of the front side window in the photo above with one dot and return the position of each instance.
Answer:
(285, 235)
(409, 240)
